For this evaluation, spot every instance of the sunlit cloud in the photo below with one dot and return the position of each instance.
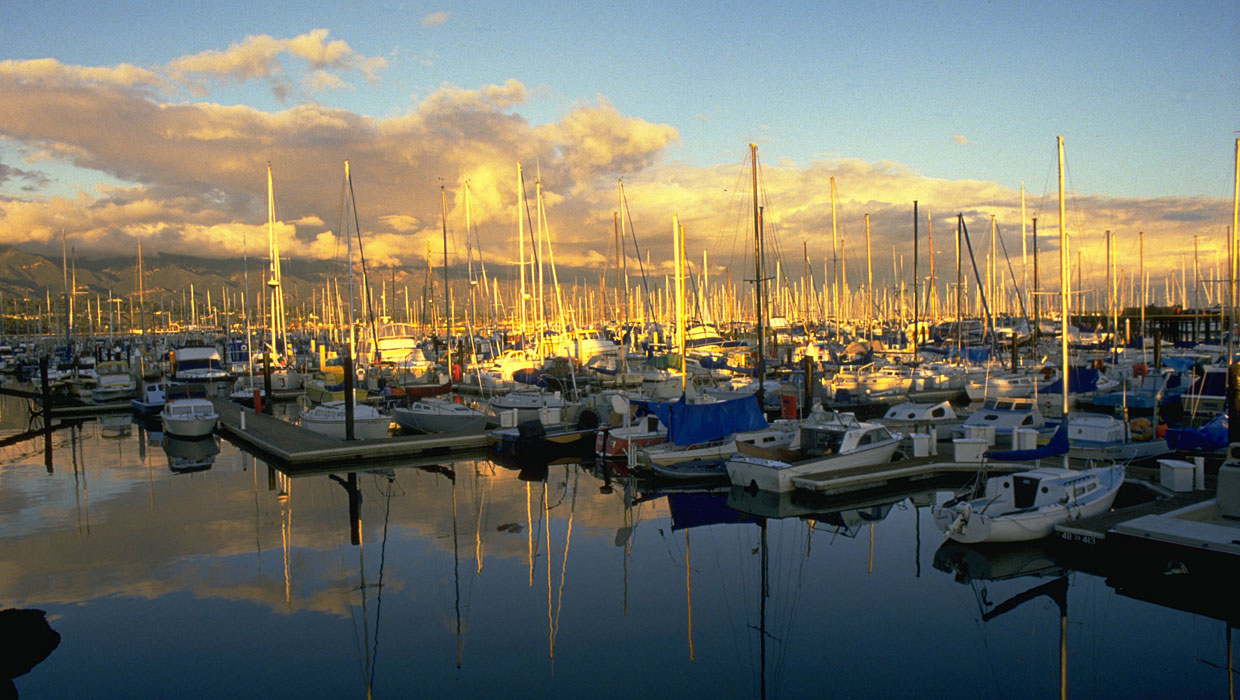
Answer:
(961, 140)
(193, 174)
(261, 57)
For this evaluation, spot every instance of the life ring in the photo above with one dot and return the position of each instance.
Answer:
(303, 402)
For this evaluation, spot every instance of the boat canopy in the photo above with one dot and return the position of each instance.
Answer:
(1211, 436)
(689, 424)
(1080, 381)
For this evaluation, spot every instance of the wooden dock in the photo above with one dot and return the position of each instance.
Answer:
(294, 447)
(1093, 531)
(911, 470)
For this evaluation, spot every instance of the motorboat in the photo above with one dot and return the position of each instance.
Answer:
(1028, 505)
(113, 382)
(189, 416)
(329, 419)
(186, 456)
(434, 415)
(1006, 415)
(151, 399)
(824, 447)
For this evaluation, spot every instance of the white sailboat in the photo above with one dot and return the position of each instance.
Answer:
(1028, 505)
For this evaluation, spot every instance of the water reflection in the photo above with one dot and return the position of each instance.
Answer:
(188, 455)
(468, 578)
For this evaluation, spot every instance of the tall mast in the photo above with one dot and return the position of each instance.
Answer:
(1065, 286)
(932, 293)
(758, 269)
(916, 283)
(959, 292)
(521, 247)
(273, 252)
(678, 256)
(835, 256)
(447, 335)
(1024, 249)
(869, 282)
(141, 292)
(1235, 222)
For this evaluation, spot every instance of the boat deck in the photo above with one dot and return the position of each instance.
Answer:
(295, 447)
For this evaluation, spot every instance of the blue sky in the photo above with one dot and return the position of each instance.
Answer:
(953, 104)
(1145, 94)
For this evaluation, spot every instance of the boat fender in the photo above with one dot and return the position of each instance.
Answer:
(588, 420)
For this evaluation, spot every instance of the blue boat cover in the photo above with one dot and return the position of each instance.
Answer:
(1182, 364)
(700, 509)
(1057, 446)
(690, 424)
(1080, 381)
(1211, 436)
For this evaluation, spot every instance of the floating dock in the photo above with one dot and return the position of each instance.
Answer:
(876, 476)
(294, 447)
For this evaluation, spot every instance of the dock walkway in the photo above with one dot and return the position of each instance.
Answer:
(1094, 530)
(292, 446)
(861, 478)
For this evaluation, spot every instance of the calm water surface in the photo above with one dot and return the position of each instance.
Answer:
(467, 580)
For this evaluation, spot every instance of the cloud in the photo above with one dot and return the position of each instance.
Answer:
(958, 139)
(435, 19)
(193, 175)
(33, 179)
(261, 57)
(49, 71)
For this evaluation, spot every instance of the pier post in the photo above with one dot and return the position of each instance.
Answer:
(348, 393)
(808, 363)
(46, 388)
(1233, 401)
(267, 381)
(1158, 348)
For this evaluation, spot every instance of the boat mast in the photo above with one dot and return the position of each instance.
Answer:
(835, 255)
(758, 277)
(678, 256)
(447, 336)
(273, 253)
(521, 250)
(1065, 288)
(348, 358)
(916, 283)
(1235, 222)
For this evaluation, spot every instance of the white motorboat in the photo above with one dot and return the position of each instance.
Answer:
(1004, 385)
(1006, 415)
(530, 405)
(152, 399)
(114, 382)
(1028, 505)
(827, 447)
(329, 419)
(439, 416)
(1106, 438)
(189, 417)
(776, 435)
(199, 363)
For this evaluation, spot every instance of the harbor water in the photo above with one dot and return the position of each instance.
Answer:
(197, 571)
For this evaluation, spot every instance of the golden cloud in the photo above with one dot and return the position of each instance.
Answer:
(194, 174)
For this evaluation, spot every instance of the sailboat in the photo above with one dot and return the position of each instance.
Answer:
(1028, 505)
